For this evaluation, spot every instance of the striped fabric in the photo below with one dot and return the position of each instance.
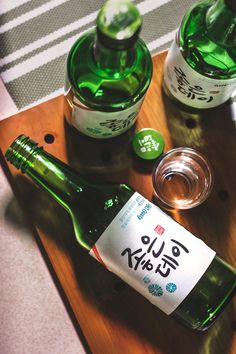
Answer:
(36, 35)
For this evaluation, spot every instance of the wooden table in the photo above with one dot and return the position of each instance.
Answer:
(113, 318)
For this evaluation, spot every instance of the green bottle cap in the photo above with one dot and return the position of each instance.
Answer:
(118, 24)
(148, 144)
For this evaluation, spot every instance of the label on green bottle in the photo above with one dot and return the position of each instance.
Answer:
(190, 87)
(152, 253)
(101, 125)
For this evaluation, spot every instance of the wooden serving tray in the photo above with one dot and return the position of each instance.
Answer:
(114, 318)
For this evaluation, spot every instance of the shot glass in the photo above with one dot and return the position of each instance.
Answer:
(182, 179)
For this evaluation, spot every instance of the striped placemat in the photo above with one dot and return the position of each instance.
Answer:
(36, 35)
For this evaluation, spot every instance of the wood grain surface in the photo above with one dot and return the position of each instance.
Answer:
(113, 317)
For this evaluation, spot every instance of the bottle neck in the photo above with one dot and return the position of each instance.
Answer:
(113, 62)
(221, 23)
(48, 172)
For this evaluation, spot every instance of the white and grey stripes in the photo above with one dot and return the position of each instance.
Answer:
(36, 35)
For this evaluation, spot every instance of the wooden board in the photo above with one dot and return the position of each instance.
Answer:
(113, 317)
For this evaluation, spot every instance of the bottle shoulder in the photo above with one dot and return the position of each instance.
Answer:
(95, 208)
(202, 48)
(115, 82)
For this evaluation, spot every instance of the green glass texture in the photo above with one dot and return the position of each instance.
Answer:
(92, 207)
(207, 39)
(105, 79)
(109, 70)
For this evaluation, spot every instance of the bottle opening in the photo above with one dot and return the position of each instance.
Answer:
(21, 151)
(118, 24)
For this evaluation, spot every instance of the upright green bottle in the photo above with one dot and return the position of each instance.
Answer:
(133, 238)
(200, 68)
(109, 70)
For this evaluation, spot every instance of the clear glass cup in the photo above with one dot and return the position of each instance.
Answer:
(182, 179)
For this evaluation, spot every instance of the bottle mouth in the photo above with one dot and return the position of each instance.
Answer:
(118, 24)
(21, 152)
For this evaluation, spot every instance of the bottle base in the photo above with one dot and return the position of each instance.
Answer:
(200, 317)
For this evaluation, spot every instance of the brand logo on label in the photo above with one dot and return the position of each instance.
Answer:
(144, 211)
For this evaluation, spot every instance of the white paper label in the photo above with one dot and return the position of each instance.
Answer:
(102, 125)
(192, 88)
(152, 253)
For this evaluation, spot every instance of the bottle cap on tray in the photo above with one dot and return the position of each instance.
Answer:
(148, 144)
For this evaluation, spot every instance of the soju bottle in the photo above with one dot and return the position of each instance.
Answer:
(200, 68)
(109, 70)
(136, 240)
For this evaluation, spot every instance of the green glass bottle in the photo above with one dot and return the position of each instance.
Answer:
(136, 240)
(109, 70)
(200, 68)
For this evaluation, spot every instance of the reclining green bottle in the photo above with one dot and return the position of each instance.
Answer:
(136, 240)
